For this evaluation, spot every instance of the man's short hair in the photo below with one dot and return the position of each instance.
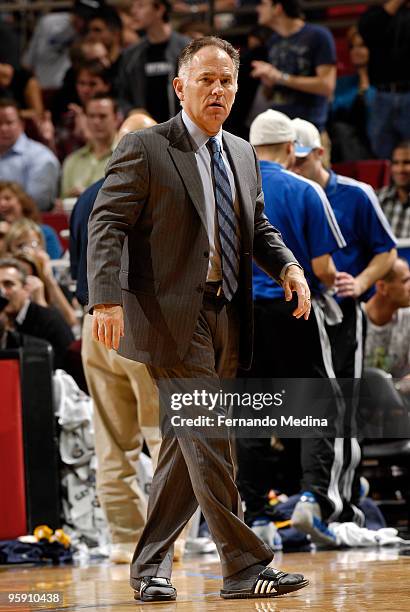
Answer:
(6, 102)
(110, 17)
(404, 144)
(167, 6)
(195, 45)
(11, 262)
(103, 96)
(96, 68)
(292, 8)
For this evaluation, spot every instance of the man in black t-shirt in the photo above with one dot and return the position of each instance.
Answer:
(147, 68)
(386, 32)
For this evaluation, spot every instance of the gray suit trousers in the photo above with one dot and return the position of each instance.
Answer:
(196, 470)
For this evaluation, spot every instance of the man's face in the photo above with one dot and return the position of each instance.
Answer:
(308, 166)
(266, 12)
(400, 168)
(11, 286)
(10, 127)
(398, 290)
(88, 85)
(101, 119)
(146, 14)
(207, 88)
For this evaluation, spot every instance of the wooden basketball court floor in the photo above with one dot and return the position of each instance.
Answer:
(348, 581)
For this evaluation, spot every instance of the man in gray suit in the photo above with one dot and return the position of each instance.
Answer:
(171, 240)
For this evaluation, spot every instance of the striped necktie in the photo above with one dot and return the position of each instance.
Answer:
(227, 222)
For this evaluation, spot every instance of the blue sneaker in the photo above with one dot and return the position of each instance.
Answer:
(307, 518)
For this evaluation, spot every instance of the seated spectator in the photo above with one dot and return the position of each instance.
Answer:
(87, 165)
(395, 198)
(25, 239)
(16, 204)
(388, 323)
(24, 316)
(29, 163)
(92, 78)
(300, 75)
(348, 123)
(48, 51)
(20, 84)
(106, 28)
(129, 33)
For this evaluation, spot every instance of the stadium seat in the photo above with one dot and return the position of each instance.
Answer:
(59, 222)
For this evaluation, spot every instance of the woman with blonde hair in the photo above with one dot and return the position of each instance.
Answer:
(25, 239)
(16, 204)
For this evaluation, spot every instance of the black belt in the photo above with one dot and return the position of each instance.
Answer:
(400, 87)
(213, 295)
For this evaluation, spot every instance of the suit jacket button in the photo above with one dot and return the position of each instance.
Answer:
(206, 253)
(200, 289)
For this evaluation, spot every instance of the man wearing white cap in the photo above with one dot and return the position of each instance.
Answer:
(368, 256)
(300, 209)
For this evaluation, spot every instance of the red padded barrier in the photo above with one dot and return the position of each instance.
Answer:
(58, 221)
(13, 519)
(375, 172)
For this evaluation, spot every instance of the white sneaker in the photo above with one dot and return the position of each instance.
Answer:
(202, 546)
(307, 518)
(122, 552)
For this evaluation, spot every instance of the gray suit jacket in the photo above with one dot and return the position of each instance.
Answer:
(150, 216)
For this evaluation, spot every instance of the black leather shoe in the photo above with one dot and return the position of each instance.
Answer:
(156, 589)
(269, 583)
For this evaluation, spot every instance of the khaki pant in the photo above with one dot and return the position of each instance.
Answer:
(125, 414)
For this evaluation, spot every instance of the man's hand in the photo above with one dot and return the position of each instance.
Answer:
(267, 73)
(347, 285)
(295, 281)
(108, 325)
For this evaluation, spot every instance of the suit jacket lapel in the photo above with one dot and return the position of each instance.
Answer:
(183, 156)
(245, 204)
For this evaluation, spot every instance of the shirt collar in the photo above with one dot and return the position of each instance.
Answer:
(331, 186)
(198, 137)
(20, 145)
(23, 313)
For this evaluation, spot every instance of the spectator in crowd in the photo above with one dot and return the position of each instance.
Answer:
(114, 380)
(129, 34)
(368, 256)
(388, 322)
(27, 162)
(386, 32)
(350, 110)
(85, 53)
(302, 213)
(19, 84)
(91, 78)
(83, 167)
(395, 198)
(4, 228)
(256, 49)
(16, 204)
(48, 51)
(27, 317)
(300, 75)
(26, 238)
(147, 69)
(194, 28)
(106, 28)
